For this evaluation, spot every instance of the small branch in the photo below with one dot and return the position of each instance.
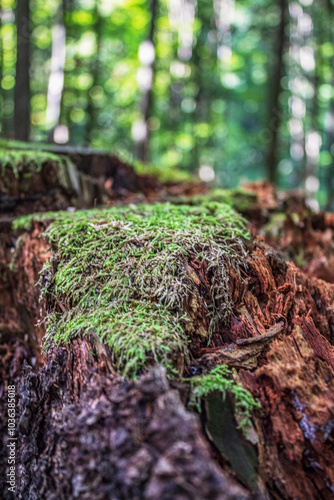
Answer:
(266, 337)
(242, 353)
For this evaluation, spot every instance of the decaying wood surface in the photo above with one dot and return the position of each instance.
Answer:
(110, 438)
(86, 433)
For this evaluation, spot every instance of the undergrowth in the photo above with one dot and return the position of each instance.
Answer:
(172, 174)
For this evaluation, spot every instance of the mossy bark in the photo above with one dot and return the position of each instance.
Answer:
(85, 431)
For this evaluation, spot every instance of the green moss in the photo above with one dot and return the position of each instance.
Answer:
(5, 143)
(138, 333)
(123, 273)
(172, 174)
(23, 222)
(220, 379)
(239, 199)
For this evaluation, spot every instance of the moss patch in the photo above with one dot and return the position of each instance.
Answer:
(124, 272)
(171, 174)
(239, 199)
(139, 334)
(220, 379)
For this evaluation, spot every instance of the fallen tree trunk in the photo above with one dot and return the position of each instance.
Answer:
(206, 319)
(55, 178)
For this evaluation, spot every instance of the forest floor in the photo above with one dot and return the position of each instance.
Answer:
(166, 341)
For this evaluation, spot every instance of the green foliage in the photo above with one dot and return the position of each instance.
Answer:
(220, 379)
(123, 273)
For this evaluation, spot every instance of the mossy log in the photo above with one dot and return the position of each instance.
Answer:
(183, 358)
(35, 180)
(40, 178)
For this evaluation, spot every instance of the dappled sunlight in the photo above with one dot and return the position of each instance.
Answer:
(206, 173)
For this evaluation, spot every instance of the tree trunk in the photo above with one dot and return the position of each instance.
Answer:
(275, 108)
(142, 147)
(56, 80)
(22, 80)
(329, 129)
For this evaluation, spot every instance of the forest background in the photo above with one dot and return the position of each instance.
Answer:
(225, 89)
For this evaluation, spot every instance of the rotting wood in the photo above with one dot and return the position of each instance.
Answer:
(134, 439)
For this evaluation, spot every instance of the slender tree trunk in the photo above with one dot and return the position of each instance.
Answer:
(275, 108)
(2, 120)
(312, 160)
(330, 170)
(22, 82)
(147, 99)
(95, 71)
(330, 126)
(56, 80)
(202, 99)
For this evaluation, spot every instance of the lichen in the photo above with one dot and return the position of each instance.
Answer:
(128, 266)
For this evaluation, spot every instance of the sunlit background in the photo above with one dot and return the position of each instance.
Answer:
(229, 90)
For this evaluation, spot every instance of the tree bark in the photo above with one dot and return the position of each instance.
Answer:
(22, 80)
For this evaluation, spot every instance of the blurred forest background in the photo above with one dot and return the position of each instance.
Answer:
(226, 89)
